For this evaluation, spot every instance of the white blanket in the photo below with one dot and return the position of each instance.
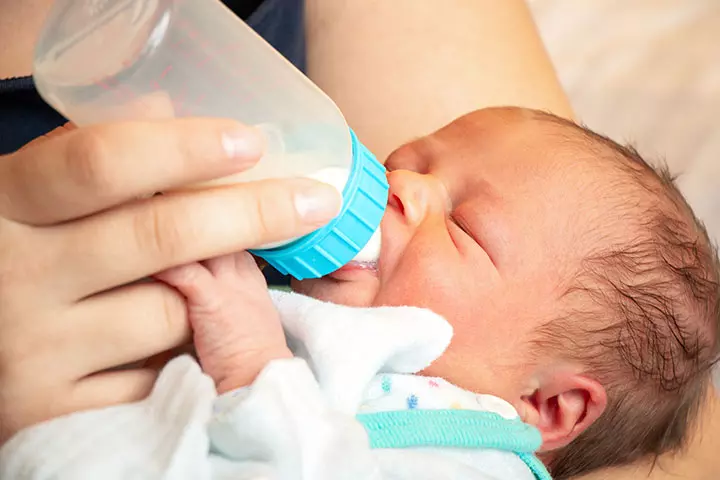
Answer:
(297, 421)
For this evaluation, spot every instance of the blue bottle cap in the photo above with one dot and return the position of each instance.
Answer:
(325, 250)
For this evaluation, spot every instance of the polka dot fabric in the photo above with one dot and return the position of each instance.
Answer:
(393, 392)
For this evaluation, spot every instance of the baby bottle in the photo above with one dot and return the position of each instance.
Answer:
(108, 60)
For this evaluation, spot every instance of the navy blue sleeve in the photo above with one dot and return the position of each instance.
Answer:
(282, 24)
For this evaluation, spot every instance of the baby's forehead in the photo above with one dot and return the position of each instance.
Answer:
(532, 136)
(609, 188)
(562, 137)
(511, 152)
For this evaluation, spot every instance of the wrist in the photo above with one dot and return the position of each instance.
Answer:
(247, 368)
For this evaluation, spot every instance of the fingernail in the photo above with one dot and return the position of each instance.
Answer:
(318, 204)
(245, 144)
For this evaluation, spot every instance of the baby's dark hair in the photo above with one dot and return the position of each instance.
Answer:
(642, 314)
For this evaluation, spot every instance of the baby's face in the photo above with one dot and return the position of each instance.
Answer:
(485, 225)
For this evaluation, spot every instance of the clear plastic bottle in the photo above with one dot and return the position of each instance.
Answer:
(108, 60)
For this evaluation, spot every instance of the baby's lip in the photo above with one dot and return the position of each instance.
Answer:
(355, 269)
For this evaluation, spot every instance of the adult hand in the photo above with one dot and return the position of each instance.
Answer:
(75, 233)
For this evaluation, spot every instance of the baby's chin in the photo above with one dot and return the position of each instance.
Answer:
(353, 293)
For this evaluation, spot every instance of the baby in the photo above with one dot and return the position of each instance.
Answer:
(579, 285)
(581, 291)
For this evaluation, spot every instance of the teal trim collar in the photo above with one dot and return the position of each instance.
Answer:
(455, 429)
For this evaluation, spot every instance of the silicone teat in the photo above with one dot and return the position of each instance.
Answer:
(371, 252)
(337, 177)
(365, 193)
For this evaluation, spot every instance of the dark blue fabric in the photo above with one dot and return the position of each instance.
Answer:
(25, 116)
(282, 24)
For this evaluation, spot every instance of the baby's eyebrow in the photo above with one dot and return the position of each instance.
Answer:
(477, 187)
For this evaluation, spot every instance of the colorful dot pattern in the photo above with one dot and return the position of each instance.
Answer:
(394, 392)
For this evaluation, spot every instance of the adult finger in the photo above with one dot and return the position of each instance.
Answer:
(96, 391)
(141, 239)
(111, 388)
(126, 325)
(87, 170)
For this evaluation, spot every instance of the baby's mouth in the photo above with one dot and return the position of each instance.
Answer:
(365, 262)
(355, 270)
(361, 265)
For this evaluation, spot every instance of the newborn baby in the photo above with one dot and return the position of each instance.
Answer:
(582, 295)
(580, 287)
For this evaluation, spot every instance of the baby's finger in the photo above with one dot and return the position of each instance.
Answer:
(193, 281)
(244, 262)
(222, 266)
(240, 267)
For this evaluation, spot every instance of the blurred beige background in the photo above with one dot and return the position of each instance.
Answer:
(647, 72)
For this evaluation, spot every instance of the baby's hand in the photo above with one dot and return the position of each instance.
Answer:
(236, 327)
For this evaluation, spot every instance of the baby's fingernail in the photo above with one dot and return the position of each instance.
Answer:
(318, 204)
(244, 144)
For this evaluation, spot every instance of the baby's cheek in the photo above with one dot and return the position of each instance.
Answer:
(353, 294)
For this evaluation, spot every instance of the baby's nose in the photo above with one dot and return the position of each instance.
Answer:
(417, 196)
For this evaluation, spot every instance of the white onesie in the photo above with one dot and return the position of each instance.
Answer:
(346, 407)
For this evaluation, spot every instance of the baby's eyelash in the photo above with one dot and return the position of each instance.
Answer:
(460, 224)
(463, 226)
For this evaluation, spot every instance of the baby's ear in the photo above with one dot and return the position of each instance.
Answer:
(562, 407)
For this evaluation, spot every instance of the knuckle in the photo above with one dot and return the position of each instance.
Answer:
(22, 406)
(22, 261)
(88, 156)
(187, 275)
(254, 227)
(14, 361)
(158, 234)
(22, 348)
(272, 218)
(8, 278)
(263, 216)
(12, 418)
(10, 366)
